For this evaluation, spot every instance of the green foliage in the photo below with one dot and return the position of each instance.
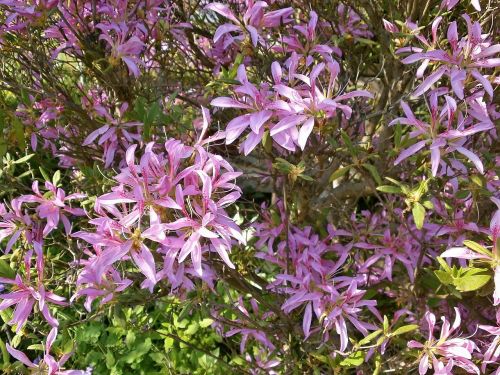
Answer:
(462, 279)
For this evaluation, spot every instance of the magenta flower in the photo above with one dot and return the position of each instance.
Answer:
(52, 206)
(161, 209)
(14, 223)
(47, 365)
(310, 46)
(304, 105)
(24, 293)
(253, 20)
(491, 258)
(466, 57)
(116, 135)
(450, 4)
(252, 99)
(440, 134)
(444, 353)
(391, 248)
(492, 354)
(351, 23)
(123, 48)
(314, 286)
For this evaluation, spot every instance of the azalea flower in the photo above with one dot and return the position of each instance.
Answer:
(450, 4)
(52, 206)
(14, 223)
(47, 365)
(253, 21)
(446, 352)
(310, 46)
(483, 255)
(123, 47)
(492, 353)
(253, 99)
(161, 208)
(467, 55)
(116, 135)
(24, 293)
(440, 134)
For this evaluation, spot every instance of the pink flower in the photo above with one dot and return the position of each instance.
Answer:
(444, 353)
(450, 4)
(123, 48)
(252, 99)
(117, 135)
(24, 294)
(466, 57)
(442, 136)
(492, 354)
(52, 206)
(162, 208)
(283, 111)
(47, 365)
(14, 223)
(491, 258)
(253, 20)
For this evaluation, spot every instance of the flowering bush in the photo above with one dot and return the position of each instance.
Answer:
(260, 187)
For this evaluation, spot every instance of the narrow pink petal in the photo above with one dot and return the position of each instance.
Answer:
(226, 102)
(20, 356)
(472, 157)
(410, 151)
(223, 10)
(429, 81)
(462, 253)
(305, 131)
(306, 323)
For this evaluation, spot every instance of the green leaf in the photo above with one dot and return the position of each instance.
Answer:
(110, 360)
(348, 143)
(404, 329)
(36, 347)
(418, 212)
(473, 279)
(168, 343)
(19, 132)
(45, 175)
(477, 180)
(398, 131)
(428, 204)
(151, 116)
(395, 182)
(267, 142)
(130, 338)
(139, 351)
(389, 189)
(192, 329)
(5, 353)
(354, 360)
(386, 323)
(24, 159)
(205, 322)
(370, 337)
(371, 168)
(444, 277)
(339, 173)
(234, 68)
(366, 41)
(306, 177)
(443, 264)
(5, 270)
(283, 165)
(421, 190)
(56, 177)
